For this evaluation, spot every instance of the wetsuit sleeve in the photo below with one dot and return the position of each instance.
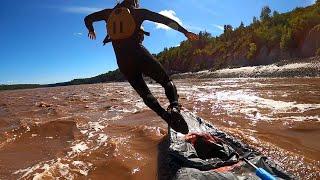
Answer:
(97, 16)
(155, 17)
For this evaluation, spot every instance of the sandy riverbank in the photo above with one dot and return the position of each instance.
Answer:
(307, 68)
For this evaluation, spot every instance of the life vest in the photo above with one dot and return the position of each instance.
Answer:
(121, 24)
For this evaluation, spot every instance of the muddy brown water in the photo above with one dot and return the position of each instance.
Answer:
(104, 131)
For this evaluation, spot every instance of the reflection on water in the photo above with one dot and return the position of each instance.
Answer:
(105, 131)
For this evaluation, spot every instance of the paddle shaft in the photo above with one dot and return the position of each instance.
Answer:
(260, 172)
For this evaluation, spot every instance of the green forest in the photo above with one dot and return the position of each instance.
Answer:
(268, 39)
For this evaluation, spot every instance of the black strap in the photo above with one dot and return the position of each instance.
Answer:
(107, 40)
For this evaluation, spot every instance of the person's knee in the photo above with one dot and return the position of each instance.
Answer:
(170, 88)
(170, 85)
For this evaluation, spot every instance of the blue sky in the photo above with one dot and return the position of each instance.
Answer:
(45, 41)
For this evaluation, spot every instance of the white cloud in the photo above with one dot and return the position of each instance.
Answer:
(78, 34)
(170, 14)
(80, 9)
(218, 26)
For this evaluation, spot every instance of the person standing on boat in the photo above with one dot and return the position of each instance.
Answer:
(134, 60)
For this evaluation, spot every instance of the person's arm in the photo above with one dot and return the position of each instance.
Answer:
(97, 16)
(156, 17)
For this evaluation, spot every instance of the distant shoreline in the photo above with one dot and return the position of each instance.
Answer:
(308, 67)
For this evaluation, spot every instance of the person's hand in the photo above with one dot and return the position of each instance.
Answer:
(191, 36)
(208, 138)
(92, 35)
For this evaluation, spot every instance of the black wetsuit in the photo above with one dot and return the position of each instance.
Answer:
(134, 59)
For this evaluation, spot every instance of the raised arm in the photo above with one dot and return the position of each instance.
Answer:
(155, 17)
(97, 16)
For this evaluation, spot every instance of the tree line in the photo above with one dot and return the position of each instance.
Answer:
(272, 36)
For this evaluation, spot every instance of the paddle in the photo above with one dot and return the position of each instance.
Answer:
(260, 172)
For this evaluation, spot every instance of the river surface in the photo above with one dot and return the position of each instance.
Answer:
(104, 131)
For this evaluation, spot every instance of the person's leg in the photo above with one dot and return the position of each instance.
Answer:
(132, 71)
(175, 121)
(142, 89)
(130, 66)
(152, 68)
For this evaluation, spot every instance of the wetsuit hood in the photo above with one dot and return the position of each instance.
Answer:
(129, 3)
